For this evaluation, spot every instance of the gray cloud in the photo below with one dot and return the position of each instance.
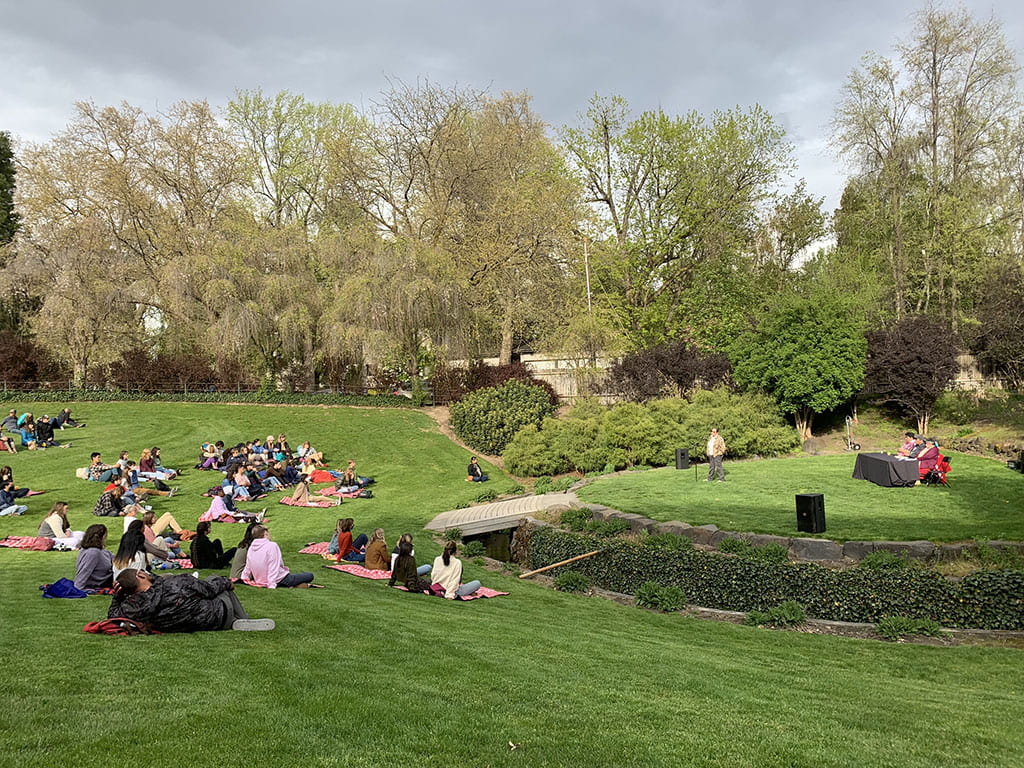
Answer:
(790, 57)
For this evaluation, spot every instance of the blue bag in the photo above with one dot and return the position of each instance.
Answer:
(63, 588)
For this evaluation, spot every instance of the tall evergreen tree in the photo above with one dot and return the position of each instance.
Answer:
(9, 219)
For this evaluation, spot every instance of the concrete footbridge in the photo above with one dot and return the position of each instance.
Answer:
(498, 515)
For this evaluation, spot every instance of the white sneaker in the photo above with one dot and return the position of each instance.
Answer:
(253, 625)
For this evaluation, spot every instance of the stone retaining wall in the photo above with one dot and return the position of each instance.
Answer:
(799, 548)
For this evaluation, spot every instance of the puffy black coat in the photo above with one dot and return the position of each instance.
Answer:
(178, 603)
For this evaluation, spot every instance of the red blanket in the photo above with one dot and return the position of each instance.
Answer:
(292, 503)
(320, 476)
(36, 543)
(357, 570)
(315, 549)
(332, 491)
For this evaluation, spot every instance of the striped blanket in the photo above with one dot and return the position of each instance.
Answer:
(357, 570)
(292, 503)
(36, 543)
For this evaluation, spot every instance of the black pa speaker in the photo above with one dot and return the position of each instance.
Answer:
(682, 458)
(810, 512)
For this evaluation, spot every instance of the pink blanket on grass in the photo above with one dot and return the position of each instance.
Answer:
(37, 543)
(482, 592)
(357, 570)
(345, 492)
(292, 503)
(315, 549)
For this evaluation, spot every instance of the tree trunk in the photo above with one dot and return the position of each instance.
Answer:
(79, 373)
(922, 422)
(505, 357)
(804, 419)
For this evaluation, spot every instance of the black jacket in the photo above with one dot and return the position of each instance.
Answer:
(44, 431)
(179, 603)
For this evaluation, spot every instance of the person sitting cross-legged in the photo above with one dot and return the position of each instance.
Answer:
(181, 603)
(207, 553)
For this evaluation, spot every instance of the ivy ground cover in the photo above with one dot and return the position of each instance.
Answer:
(360, 675)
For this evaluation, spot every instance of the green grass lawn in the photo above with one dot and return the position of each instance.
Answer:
(360, 675)
(984, 499)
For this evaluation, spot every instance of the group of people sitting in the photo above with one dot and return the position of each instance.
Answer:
(925, 451)
(34, 435)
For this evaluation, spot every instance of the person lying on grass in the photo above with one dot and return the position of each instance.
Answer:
(181, 603)
(405, 573)
(7, 476)
(265, 567)
(447, 572)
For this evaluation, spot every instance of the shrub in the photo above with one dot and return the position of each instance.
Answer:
(670, 599)
(284, 398)
(884, 560)
(984, 599)
(613, 526)
(576, 519)
(513, 490)
(488, 419)
(543, 485)
(668, 541)
(770, 553)
(488, 495)
(895, 627)
(956, 407)
(735, 547)
(473, 548)
(453, 534)
(532, 452)
(571, 581)
(787, 614)
(564, 483)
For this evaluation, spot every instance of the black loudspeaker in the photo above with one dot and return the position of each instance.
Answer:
(810, 512)
(682, 458)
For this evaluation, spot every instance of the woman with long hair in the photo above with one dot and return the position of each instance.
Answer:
(406, 574)
(377, 557)
(342, 545)
(447, 572)
(94, 565)
(135, 552)
(207, 553)
(241, 552)
(302, 495)
(56, 526)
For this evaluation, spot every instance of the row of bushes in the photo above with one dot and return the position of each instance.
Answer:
(487, 419)
(270, 396)
(986, 600)
(593, 437)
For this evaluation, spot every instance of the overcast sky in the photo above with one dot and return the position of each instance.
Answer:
(790, 56)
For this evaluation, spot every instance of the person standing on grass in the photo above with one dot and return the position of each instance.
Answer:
(716, 455)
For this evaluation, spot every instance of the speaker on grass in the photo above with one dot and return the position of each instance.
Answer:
(682, 458)
(810, 512)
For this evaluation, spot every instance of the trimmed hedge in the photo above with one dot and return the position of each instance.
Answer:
(279, 398)
(488, 419)
(984, 600)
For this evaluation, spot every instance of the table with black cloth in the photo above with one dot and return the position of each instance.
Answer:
(885, 470)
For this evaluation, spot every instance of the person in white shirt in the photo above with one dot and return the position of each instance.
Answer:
(447, 572)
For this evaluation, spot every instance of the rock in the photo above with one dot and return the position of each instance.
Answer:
(701, 534)
(637, 522)
(813, 446)
(764, 539)
(916, 550)
(858, 550)
(719, 536)
(673, 527)
(815, 549)
(601, 512)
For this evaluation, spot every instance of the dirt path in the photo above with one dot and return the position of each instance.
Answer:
(439, 413)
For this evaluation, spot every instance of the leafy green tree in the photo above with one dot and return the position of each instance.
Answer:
(808, 354)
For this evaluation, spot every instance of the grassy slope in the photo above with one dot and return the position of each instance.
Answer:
(984, 499)
(362, 675)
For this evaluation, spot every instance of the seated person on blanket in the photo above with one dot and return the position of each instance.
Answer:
(134, 482)
(8, 503)
(265, 567)
(181, 603)
(7, 476)
(111, 504)
(57, 527)
(377, 557)
(302, 496)
(7, 443)
(100, 472)
(306, 451)
(282, 451)
(152, 528)
(447, 572)
(350, 477)
(28, 436)
(94, 567)
(135, 552)
(44, 434)
(394, 552)
(210, 457)
(241, 552)
(474, 473)
(151, 467)
(207, 553)
(342, 545)
(406, 574)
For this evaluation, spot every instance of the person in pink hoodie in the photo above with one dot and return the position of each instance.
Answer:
(264, 566)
